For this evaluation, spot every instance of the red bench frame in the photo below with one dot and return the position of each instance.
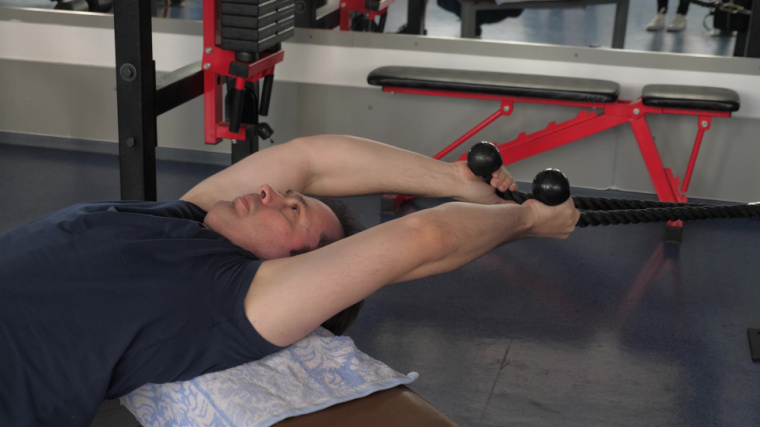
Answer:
(348, 6)
(668, 187)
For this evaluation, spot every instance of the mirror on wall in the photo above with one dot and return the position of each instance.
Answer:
(684, 28)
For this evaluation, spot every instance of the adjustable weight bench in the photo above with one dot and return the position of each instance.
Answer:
(599, 98)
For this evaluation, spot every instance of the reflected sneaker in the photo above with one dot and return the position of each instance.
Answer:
(677, 24)
(715, 32)
(658, 22)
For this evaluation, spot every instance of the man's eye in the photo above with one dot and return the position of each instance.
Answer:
(294, 208)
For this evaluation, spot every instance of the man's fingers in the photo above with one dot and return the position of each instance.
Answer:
(503, 181)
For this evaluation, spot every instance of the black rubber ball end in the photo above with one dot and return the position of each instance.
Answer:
(551, 187)
(484, 159)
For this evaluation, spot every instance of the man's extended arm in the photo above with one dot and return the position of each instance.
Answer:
(338, 165)
(289, 297)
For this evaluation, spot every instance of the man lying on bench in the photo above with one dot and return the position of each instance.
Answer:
(101, 298)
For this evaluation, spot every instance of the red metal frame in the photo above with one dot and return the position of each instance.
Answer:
(348, 6)
(657, 264)
(216, 63)
(667, 186)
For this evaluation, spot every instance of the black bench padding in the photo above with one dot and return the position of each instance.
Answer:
(690, 97)
(493, 83)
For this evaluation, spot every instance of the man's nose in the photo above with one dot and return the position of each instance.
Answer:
(269, 195)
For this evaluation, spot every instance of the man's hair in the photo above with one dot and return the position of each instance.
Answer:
(351, 225)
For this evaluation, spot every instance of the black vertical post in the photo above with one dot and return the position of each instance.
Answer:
(135, 93)
(748, 43)
(753, 37)
(415, 17)
(244, 148)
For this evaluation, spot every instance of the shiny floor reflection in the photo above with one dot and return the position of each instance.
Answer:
(609, 327)
(589, 26)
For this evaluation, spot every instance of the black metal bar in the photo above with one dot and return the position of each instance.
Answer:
(316, 14)
(181, 85)
(328, 16)
(415, 17)
(752, 36)
(470, 8)
(266, 94)
(237, 100)
(135, 92)
(754, 343)
(747, 27)
(621, 22)
(244, 148)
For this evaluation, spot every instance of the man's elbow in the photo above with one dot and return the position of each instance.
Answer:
(433, 237)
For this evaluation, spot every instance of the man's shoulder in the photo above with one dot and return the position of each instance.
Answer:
(168, 208)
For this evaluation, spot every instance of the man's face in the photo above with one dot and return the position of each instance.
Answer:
(273, 225)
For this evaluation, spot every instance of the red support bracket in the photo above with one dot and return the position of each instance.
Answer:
(359, 6)
(665, 184)
(505, 110)
(217, 63)
(702, 125)
(555, 135)
(588, 122)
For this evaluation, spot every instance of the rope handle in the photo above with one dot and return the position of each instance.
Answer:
(552, 188)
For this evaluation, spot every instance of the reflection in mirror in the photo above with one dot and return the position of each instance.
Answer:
(591, 25)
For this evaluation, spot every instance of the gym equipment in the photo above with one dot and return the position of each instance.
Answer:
(736, 15)
(101, 6)
(471, 7)
(241, 42)
(348, 15)
(552, 188)
(241, 46)
(599, 99)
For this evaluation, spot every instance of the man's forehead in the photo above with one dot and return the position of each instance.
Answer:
(331, 227)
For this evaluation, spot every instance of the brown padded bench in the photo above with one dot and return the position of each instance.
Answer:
(395, 407)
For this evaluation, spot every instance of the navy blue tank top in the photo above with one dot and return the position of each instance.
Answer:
(101, 298)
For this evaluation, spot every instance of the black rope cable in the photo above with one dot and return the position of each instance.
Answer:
(603, 203)
(551, 187)
(686, 213)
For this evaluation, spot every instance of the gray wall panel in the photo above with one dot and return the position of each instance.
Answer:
(58, 99)
(79, 102)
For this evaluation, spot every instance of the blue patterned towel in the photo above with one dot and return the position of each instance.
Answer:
(319, 371)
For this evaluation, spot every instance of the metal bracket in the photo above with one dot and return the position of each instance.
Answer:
(754, 343)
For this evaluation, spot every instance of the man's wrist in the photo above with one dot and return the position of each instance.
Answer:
(461, 181)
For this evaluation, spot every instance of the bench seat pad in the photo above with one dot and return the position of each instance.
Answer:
(495, 83)
(690, 97)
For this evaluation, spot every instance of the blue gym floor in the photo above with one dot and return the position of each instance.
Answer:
(610, 327)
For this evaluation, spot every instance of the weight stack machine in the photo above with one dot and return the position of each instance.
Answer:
(241, 46)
